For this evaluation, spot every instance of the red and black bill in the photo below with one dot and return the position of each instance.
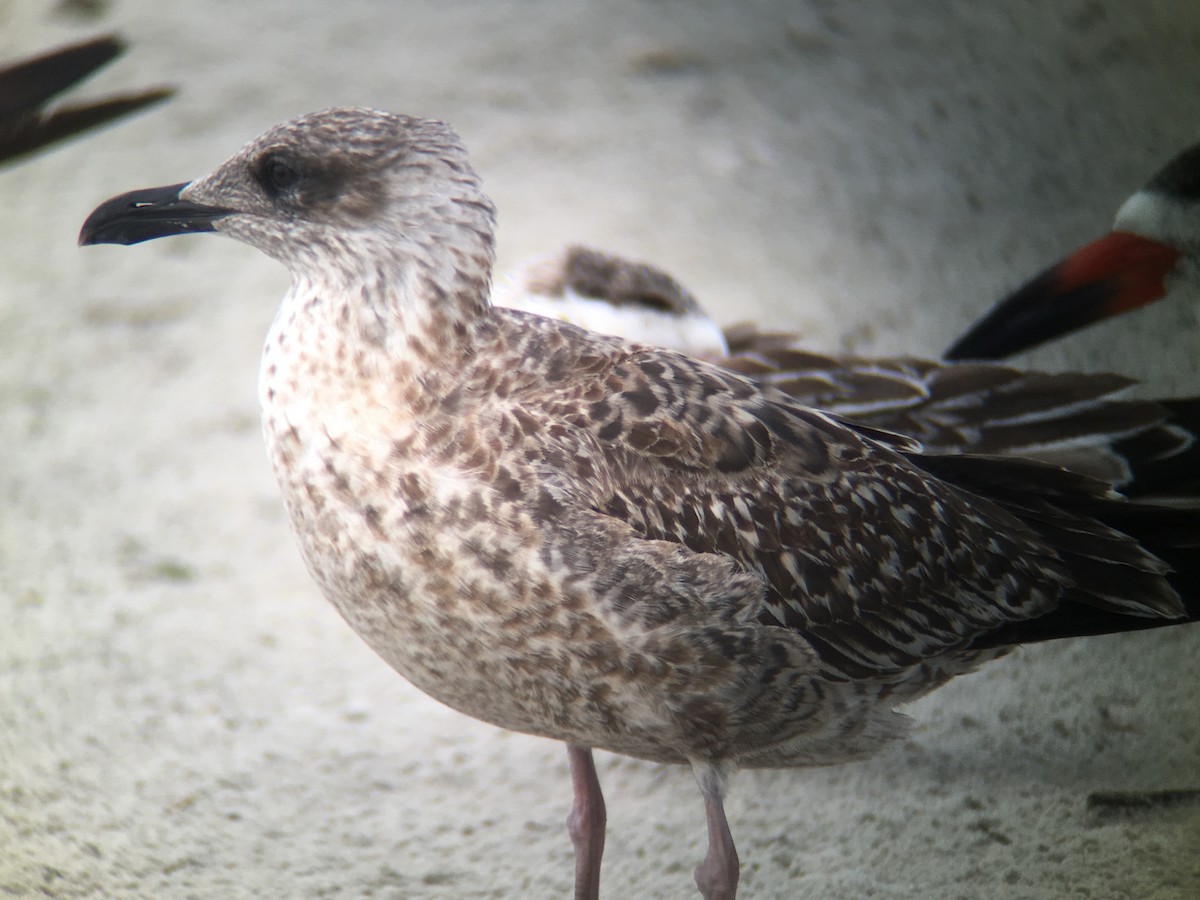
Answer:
(1116, 274)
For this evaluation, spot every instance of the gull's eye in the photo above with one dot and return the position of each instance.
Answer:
(277, 176)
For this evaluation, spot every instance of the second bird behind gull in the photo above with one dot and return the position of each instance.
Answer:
(614, 545)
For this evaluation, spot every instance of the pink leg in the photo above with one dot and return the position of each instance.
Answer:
(717, 876)
(586, 822)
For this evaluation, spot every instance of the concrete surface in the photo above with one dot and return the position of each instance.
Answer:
(181, 715)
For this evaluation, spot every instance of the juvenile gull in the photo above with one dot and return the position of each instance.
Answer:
(614, 545)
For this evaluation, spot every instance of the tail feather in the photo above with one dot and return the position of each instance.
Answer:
(1165, 461)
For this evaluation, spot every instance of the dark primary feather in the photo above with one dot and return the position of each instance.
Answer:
(1143, 447)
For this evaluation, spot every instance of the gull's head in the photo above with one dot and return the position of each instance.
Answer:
(342, 189)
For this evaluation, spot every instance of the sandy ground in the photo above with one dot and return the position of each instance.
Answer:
(181, 715)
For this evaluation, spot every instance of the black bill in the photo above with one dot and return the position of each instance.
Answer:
(147, 214)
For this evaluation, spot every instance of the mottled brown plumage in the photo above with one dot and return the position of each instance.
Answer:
(612, 545)
(1077, 421)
